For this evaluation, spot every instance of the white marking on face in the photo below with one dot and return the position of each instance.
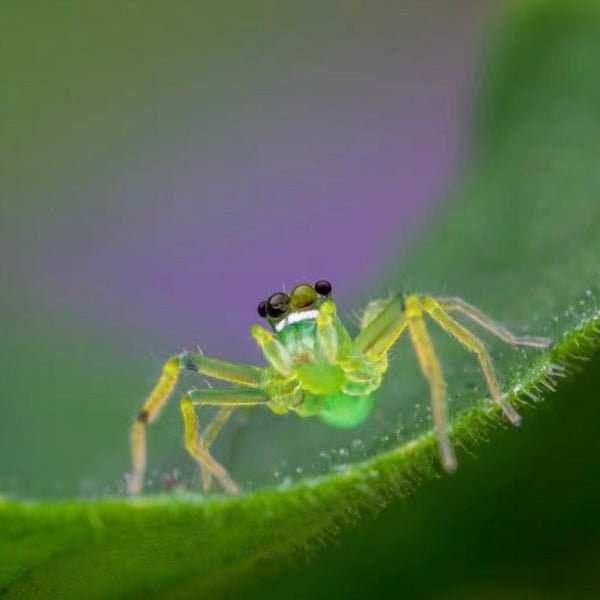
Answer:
(303, 315)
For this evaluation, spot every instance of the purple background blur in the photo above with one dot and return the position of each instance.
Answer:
(164, 170)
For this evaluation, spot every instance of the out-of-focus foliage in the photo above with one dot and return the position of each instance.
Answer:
(522, 240)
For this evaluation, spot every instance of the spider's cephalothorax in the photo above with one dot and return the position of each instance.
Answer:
(318, 348)
(314, 367)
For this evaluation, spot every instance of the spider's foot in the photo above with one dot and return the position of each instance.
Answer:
(447, 456)
(134, 484)
(535, 342)
(210, 467)
(229, 484)
(511, 414)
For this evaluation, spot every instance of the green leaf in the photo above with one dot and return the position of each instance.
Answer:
(521, 240)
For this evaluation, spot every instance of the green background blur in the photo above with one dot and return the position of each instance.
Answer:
(165, 167)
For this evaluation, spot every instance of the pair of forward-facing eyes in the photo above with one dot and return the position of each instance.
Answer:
(301, 296)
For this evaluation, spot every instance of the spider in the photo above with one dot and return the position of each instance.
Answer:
(314, 367)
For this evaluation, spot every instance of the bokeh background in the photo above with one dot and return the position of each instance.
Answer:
(163, 169)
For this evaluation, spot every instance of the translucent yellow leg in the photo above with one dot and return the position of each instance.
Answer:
(327, 334)
(456, 304)
(430, 366)
(274, 351)
(197, 445)
(384, 321)
(227, 370)
(150, 409)
(382, 331)
(213, 367)
(208, 436)
(473, 343)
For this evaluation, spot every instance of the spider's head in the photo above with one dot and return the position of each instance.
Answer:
(301, 303)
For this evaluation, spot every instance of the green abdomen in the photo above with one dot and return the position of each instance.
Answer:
(339, 409)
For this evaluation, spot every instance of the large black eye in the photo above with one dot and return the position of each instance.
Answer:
(323, 287)
(261, 309)
(277, 305)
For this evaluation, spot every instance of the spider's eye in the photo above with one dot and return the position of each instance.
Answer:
(323, 287)
(302, 296)
(277, 305)
(261, 309)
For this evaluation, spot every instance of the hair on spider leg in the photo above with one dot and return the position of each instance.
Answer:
(355, 317)
(187, 364)
(391, 359)
(351, 316)
(444, 288)
(157, 362)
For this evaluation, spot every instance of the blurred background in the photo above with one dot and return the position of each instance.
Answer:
(166, 166)
(162, 171)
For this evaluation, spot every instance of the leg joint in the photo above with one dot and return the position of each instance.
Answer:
(186, 361)
(412, 306)
(186, 402)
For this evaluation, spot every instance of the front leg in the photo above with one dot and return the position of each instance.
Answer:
(234, 372)
(275, 353)
(333, 339)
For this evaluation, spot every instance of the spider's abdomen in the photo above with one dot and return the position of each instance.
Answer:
(338, 409)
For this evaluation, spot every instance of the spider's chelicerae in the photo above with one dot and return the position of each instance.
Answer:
(314, 367)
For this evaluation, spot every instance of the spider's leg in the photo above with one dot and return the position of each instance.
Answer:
(208, 436)
(194, 443)
(213, 367)
(332, 338)
(275, 353)
(456, 304)
(431, 368)
(383, 322)
(327, 335)
(474, 344)
(380, 332)
(226, 370)
(149, 411)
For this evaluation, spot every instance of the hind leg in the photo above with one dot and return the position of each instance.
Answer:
(458, 305)
(208, 436)
(197, 445)
(475, 345)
